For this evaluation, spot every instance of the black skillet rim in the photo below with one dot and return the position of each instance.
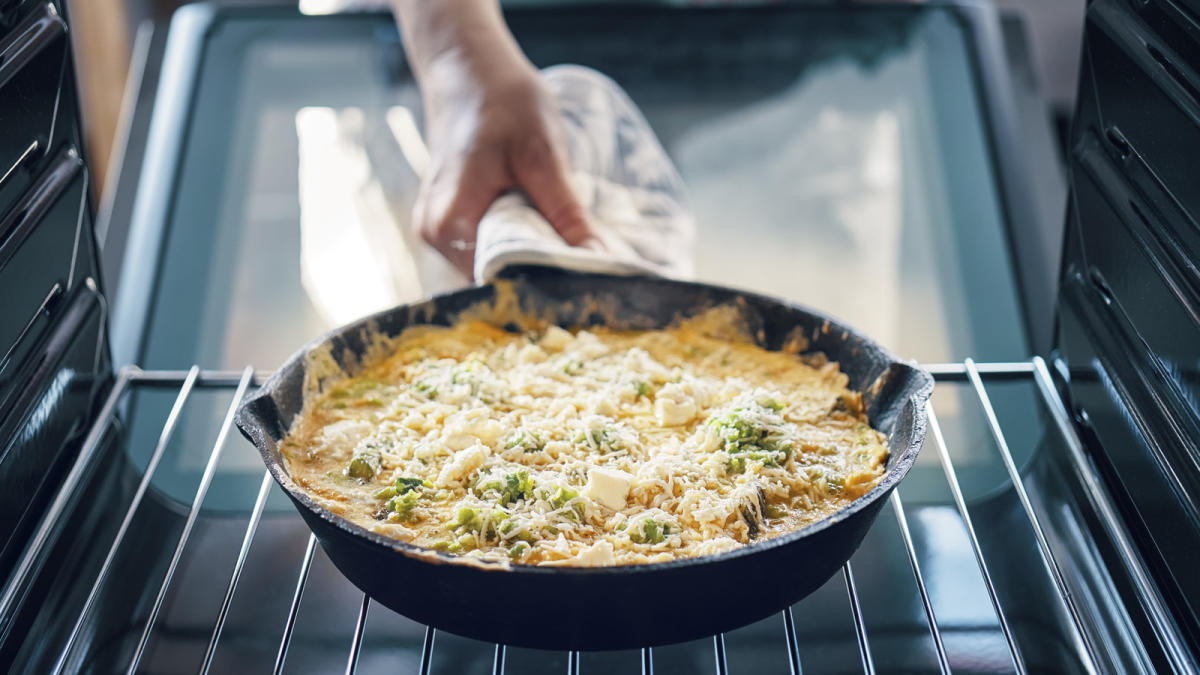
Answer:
(902, 463)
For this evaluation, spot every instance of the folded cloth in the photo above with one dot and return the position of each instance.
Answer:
(621, 175)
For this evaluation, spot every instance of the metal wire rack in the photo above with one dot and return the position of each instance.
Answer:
(1036, 371)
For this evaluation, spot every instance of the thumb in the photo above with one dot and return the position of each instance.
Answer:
(542, 175)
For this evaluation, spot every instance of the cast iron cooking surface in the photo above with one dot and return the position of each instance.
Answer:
(604, 607)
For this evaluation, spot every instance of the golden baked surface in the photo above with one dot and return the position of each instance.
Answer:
(594, 448)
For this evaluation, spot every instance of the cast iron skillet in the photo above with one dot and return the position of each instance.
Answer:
(607, 607)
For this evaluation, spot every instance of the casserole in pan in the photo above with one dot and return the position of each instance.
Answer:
(597, 607)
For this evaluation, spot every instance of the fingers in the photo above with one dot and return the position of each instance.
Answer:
(453, 202)
(541, 173)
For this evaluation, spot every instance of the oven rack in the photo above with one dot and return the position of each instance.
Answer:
(131, 378)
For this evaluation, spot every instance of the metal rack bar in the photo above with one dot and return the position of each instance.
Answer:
(207, 378)
(18, 584)
(572, 662)
(906, 536)
(264, 490)
(356, 643)
(793, 644)
(719, 654)
(950, 372)
(860, 626)
(960, 502)
(1149, 597)
(957, 372)
(427, 651)
(647, 661)
(301, 581)
(210, 469)
(164, 437)
(497, 661)
(1049, 561)
(945, 372)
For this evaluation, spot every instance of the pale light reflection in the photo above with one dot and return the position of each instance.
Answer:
(353, 257)
(404, 128)
(835, 223)
(319, 7)
(847, 228)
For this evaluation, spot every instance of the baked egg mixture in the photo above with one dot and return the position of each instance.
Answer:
(597, 447)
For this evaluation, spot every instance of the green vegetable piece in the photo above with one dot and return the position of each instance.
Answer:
(449, 546)
(405, 485)
(651, 532)
(493, 484)
(518, 550)
(497, 523)
(604, 439)
(430, 390)
(744, 440)
(385, 493)
(560, 497)
(572, 367)
(489, 524)
(364, 465)
(770, 403)
(527, 441)
(517, 486)
(467, 518)
(736, 465)
(641, 388)
(401, 508)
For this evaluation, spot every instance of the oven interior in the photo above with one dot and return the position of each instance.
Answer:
(1050, 525)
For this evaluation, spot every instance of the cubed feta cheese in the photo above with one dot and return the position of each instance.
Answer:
(671, 413)
(596, 555)
(599, 553)
(609, 487)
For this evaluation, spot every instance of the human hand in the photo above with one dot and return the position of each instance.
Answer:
(491, 126)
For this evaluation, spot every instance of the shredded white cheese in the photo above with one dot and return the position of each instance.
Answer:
(592, 448)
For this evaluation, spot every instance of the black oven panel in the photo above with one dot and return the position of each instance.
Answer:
(53, 356)
(1129, 307)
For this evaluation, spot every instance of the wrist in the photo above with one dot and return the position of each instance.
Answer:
(474, 72)
(454, 42)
